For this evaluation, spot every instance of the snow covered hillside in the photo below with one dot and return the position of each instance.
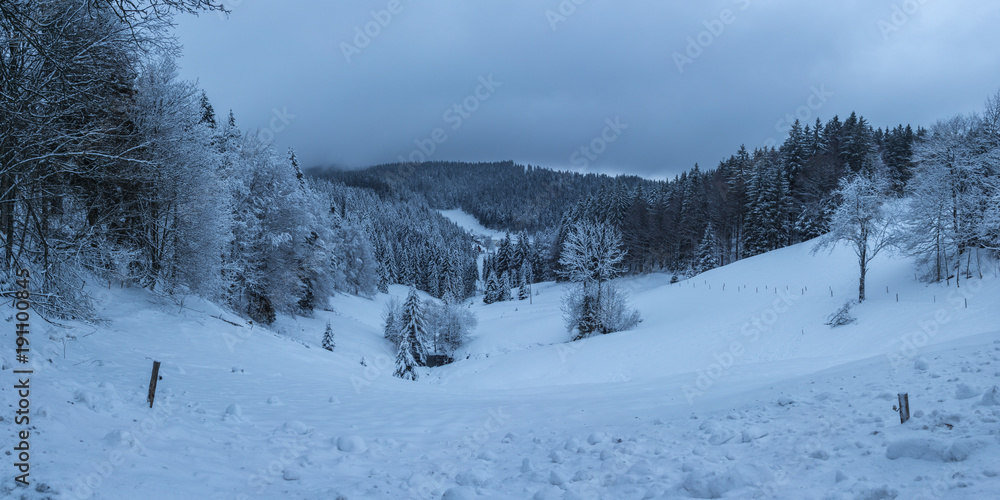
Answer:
(467, 221)
(731, 387)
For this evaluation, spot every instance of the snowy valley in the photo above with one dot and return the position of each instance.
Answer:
(398, 250)
(731, 387)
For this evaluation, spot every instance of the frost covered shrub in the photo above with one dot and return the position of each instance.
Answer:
(588, 314)
(448, 326)
(392, 314)
(842, 316)
(617, 315)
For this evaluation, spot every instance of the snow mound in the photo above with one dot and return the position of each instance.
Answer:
(715, 484)
(351, 444)
(753, 433)
(459, 493)
(991, 397)
(927, 449)
(121, 439)
(104, 399)
(477, 478)
(717, 433)
(292, 427)
(597, 437)
(966, 391)
(234, 413)
(932, 450)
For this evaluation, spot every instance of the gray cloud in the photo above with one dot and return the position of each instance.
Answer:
(605, 60)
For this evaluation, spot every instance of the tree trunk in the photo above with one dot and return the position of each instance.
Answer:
(863, 260)
(861, 285)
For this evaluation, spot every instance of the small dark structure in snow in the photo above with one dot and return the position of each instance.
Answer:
(438, 360)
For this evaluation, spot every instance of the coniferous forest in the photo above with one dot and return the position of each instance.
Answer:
(750, 203)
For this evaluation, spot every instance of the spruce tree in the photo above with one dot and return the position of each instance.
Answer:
(414, 329)
(328, 342)
(294, 162)
(410, 350)
(706, 252)
(522, 290)
(391, 331)
(492, 290)
(487, 268)
(521, 251)
(503, 293)
(590, 318)
(470, 278)
(207, 113)
(505, 252)
(793, 151)
(383, 277)
(406, 362)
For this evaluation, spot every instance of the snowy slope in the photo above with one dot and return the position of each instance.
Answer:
(738, 392)
(469, 222)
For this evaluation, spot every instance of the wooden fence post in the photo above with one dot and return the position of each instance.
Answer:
(152, 382)
(904, 407)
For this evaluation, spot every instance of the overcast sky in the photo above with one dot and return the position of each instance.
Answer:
(645, 87)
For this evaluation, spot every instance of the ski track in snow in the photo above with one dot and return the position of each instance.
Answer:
(740, 392)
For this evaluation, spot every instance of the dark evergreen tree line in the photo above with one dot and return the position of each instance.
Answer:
(514, 265)
(501, 195)
(752, 203)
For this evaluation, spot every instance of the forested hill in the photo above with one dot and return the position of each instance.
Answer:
(751, 203)
(501, 195)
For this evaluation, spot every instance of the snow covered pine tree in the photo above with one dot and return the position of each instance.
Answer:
(411, 352)
(328, 342)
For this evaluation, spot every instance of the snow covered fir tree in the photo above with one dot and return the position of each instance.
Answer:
(328, 341)
(410, 352)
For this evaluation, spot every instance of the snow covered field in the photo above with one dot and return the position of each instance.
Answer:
(731, 387)
(469, 222)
